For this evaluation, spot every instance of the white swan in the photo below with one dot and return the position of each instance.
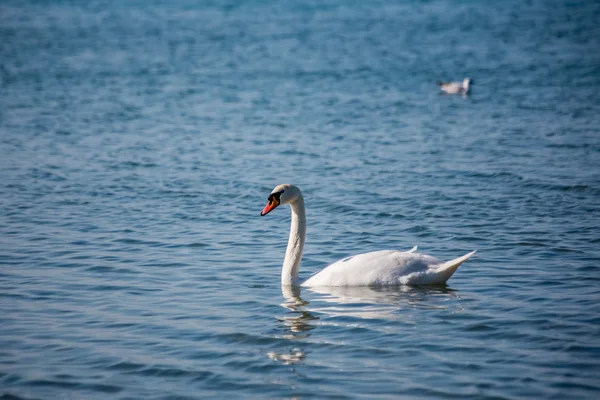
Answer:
(378, 268)
(455, 87)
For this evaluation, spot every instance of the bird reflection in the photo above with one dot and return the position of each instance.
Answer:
(365, 303)
(296, 325)
(385, 294)
(299, 321)
(384, 302)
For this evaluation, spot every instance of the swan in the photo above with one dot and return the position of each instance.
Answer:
(455, 87)
(377, 268)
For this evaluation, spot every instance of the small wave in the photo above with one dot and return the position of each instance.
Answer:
(494, 175)
(43, 174)
(191, 245)
(562, 187)
(64, 384)
(569, 146)
(151, 243)
(8, 396)
(104, 269)
(533, 244)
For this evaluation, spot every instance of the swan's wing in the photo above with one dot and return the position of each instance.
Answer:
(346, 259)
(378, 268)
(386, 268)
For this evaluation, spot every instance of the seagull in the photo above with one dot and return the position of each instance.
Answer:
(455, 87)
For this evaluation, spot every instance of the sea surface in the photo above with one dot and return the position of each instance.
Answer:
(139, 141)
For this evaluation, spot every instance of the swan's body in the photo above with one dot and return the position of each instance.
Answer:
(377, 268)
(386, 268)
(455, 87)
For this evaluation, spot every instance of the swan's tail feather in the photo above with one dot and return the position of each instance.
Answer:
(437, 274)
(448, 268)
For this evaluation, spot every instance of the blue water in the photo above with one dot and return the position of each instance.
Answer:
(139, 141)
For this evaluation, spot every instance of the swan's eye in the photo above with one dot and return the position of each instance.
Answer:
(275, 197)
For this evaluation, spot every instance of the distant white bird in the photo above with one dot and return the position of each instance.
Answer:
(455, 87)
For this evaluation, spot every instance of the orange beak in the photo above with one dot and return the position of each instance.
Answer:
(268, 208)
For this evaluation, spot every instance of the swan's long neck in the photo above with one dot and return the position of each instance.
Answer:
(293, 254)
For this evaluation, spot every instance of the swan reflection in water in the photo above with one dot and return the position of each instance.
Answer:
(299, 321)
(296, 325)
(389, 303)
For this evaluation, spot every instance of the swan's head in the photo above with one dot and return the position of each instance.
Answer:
(282, 194)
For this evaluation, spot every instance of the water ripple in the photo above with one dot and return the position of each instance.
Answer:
(138, 145)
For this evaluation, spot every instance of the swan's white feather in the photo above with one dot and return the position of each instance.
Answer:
(386, 268)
